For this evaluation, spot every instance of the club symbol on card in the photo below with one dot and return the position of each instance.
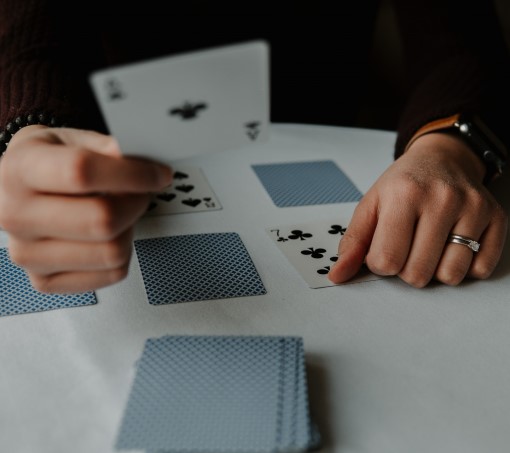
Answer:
(299, 234)
(209, 202)
(252, 129)
(314, 253)
(188, 111)
(166, 196)
(324, 271)
(114, 91)
(193, 202)
(180, 175)
(335, 229)
(184, 188)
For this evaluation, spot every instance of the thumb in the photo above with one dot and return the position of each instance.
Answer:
(354, 245)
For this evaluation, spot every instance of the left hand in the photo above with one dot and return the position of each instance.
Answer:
(401, 226)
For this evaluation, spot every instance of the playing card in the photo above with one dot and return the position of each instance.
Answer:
(306, 183)
(257, 384)
(17, 296)
(188, 104)
(312, 248)
(194, 267)
(189, 192)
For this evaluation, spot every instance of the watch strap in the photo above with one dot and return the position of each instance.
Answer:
(481, 140)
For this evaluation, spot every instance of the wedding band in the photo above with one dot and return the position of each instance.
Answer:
(463, 240)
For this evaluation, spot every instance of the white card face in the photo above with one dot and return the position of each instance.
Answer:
(188, 104)
(312, 248)
(189, 192)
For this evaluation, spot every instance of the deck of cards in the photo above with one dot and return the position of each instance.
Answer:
(217, 394)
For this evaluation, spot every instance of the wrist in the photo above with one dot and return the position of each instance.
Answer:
(481, 141)
(22, 121)
(446, 150)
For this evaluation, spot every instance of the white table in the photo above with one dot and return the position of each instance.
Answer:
(391, 368)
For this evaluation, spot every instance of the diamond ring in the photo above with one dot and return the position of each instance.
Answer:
(463, 240)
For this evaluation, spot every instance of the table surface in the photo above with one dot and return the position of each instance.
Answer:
(391, 368)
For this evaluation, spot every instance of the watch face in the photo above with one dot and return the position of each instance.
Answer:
(482, 141)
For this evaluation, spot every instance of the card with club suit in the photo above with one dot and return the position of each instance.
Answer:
(188, 104)
(312, 248)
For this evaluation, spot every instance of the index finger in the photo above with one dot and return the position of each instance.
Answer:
(74, 169)
(356, 241)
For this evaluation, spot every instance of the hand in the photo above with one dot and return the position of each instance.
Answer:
(401, 226)
(68, 201)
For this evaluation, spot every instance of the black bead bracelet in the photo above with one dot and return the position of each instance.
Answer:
(14, 126)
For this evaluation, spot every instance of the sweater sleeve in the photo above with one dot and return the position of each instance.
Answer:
(456, 61)
(45, 58)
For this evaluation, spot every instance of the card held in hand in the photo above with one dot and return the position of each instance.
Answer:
(188, 104)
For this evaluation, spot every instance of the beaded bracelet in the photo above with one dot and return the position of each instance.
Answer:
(14, 126)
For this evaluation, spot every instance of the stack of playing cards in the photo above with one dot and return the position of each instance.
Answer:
(219, 394)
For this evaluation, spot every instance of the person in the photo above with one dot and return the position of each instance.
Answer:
(69, 200)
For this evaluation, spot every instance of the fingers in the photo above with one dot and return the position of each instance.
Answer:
(68, 201)
(77, 282)
(76, 170)
(50, 256)
(56, 266)
(402, 224)
(458, 261)
(355, 243)
(88, 219)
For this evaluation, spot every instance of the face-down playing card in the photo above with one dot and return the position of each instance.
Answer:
(195, 267)
(17, 296)
(188, 104)
(306, 183)
(219, 394)
(189, 192)
(312, 248)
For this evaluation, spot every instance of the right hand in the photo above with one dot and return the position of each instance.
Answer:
(68, 201)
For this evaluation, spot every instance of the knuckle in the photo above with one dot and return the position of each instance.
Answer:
(415, 279)
(9, 221)
(499, 214)
(115, 254)
(452, 276)
(19, 256)
(79, 171)
(483, 270)
(41, 283)
(418, 275)
(119, 274)
(479, 203)
(104, 224)
(385, 263)
(410, 187)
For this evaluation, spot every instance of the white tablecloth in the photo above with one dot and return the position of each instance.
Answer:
(391, 369)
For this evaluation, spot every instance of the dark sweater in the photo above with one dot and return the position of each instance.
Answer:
(454, 54)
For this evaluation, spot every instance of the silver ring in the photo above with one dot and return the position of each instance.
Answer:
(463, 240)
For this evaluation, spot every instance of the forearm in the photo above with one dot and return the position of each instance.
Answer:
(454, 63)
(43, 66)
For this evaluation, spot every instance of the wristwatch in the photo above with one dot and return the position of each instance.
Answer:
(481, 140)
